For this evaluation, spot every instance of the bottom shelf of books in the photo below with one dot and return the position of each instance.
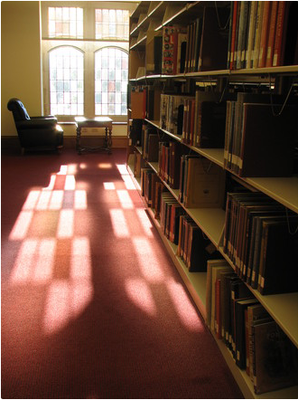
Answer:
(262, 358)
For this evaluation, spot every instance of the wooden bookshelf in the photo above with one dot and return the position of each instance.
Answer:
(282, 307)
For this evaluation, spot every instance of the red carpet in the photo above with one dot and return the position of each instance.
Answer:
(92, 306)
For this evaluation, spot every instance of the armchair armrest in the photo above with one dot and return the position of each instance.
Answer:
(46, 117)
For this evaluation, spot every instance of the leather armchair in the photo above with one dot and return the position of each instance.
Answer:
(35, 133)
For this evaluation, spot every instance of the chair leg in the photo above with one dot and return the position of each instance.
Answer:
(22, 151)
(59, 149)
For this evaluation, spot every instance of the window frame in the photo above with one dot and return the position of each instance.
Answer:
(88, 45)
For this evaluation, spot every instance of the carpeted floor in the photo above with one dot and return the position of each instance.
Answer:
(92, 306)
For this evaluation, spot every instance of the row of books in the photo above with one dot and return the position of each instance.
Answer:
(169, 159)
(243, 35)
(256, 342)
(200, 182)
(193, 247)
(200, 46)
(199, 120)
(261, 240)
(262, 34)
(247, 125)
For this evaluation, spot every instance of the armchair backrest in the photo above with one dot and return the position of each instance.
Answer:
(18, 110)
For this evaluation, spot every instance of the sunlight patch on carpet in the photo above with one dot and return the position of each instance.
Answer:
(184, 308)
(109, 185)
(119, 223)
(140, 294)
(21, 226)
(125, 199)
(145, 222)
(65, 224)
(147, 260)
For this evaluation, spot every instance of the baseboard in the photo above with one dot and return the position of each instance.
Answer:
(10, 144)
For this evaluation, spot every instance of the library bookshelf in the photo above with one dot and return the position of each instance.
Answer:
(147, 25)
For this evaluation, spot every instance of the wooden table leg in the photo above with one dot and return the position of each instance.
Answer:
(78, 140)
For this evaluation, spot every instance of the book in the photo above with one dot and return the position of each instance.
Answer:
(169, 49)
(211, 120)
(240, 344)
(279, 256)
(251, 35)
(257, 40)
(267, 147)
(271, 34)
(214, 268)
(254, 313)
(275, 358)
(153, 102)
(203, 183)
(138, 102)
(214, 41)
(281, 27)
(236, 6)
(264, 34)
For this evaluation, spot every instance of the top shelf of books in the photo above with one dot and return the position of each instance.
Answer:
(194, 39)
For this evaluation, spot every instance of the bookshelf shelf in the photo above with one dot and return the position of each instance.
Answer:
(283, 190)
(283, 308)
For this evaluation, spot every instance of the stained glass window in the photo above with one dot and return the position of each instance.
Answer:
(111, 24)
(66, 66)
(65, 22)
(111, 75)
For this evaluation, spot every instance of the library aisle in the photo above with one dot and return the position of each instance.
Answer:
(92, 306)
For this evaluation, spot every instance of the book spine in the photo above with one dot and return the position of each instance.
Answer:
(278, 35)
(264, 34)
(272, 24)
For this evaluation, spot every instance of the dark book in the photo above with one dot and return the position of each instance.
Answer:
(157, 54)
(240, 343)
(175, 153)
(214, 41)
(135, 132)
(275, 358)
(226, 281)
(153, 103)
(153, 146)
(238, 290)
(234, 126)
(267, 147)
(159, 188)
(279, 256)
(199, 249)
(290, 42)
(210, 120)
(255, 312)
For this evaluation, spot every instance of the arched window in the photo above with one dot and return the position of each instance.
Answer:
(111, 77)
(66, 71)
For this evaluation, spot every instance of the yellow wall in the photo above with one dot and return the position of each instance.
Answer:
(20, 59)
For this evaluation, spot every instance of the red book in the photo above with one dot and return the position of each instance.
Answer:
(280, 33)
(272, 29)
(264, 34)
(233, 33)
